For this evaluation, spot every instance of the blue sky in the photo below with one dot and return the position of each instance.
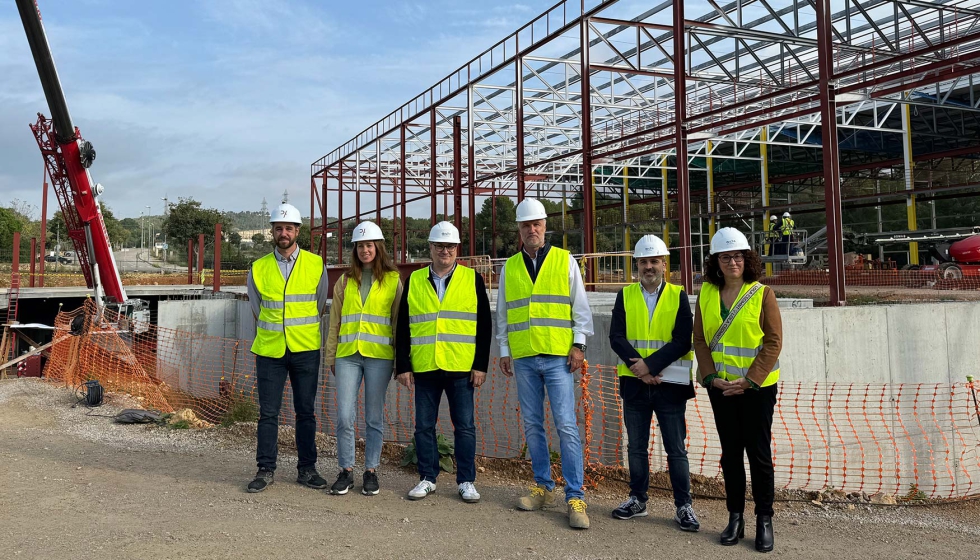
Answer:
(227, 101)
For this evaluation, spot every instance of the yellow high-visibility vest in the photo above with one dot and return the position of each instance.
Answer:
(365, 328)
(742, 341)
(288, 316)
(647, 335)
(443, 332)
(788, 225)
(539, 313)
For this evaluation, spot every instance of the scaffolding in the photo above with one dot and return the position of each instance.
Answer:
(756, 107)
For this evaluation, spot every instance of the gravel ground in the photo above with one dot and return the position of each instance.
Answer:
(79, 486)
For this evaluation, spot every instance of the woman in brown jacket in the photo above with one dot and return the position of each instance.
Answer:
(739, 365)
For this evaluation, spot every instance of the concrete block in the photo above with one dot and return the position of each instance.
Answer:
(917, 343)
(803, 357)
(962, 333)
(856, 341)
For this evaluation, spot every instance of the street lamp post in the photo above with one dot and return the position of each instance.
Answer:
(149, 233)
(142, 223)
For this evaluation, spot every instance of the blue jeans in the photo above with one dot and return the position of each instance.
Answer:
(534, 374)
(303, 371)
(459, 394)
(640, 402)
(349, 371)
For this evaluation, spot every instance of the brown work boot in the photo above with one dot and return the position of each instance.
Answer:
(577, 518)
(539, 497)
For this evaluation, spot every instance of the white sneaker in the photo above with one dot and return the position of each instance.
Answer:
(468, 492)
(421, 490)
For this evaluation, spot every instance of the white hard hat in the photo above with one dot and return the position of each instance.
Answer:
(286, 213)
(367, 231)
(786, 214)
(650, 246)
(444, 232)
(728, 239)
(773, 217)
(531, 209)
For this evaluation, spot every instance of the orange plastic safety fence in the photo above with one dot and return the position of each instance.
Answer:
(889, 438)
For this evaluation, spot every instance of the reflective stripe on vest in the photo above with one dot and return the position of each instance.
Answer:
(539, 313)
(742, 342)
(288, 314)
(443, 334)
(648, 334)
(365, 328)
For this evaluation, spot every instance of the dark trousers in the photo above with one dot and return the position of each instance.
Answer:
(459, 394)
(303, 371)
(640, 402)
(744, 425)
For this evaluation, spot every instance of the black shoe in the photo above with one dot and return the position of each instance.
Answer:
(262, 480)
(686, 519)
(312, 479)
(631, 508)
(763, 533)
(734, 531)
(369, 486)
(345, 481)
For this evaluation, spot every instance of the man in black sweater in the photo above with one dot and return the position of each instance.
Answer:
(652, 331)
(442, 344)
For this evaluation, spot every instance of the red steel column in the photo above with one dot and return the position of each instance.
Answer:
(33, 259)
(457, 172)
(587, 195)
(378, 190)
(216, 278)
(433, 211)
(471, 181)
(683, 179)
(200, 256)
(44, 227)
(831, 163)
(519, 122)
(340, 212)
(190, 261)
(402, 188)
(493, 220)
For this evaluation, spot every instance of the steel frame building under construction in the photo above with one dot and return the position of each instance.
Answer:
(750, 108)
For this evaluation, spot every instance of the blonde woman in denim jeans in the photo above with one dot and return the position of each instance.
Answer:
(360, 347)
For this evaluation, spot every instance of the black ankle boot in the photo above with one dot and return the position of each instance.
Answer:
(734, 531)
(763, 533)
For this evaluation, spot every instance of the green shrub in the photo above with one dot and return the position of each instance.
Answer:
(241, 410)
(446, 452)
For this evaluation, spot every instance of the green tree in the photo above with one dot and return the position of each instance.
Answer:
(505, 226)
(187, 220)
(10, 222)
(258, 239)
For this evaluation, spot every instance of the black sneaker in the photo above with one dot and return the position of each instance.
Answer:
(312, 479)
(262, 480)
(686, 519)
(370, 486)
(631, 508)
(345, 481)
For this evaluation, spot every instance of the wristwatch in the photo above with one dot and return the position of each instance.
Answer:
(580, 346)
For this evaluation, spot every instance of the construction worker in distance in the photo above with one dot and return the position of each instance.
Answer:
(360, 346)
(786, 229)
(772, 235)
(738, 336)
(651, 332)
(543, 319)
(443, 339)
(287, 290)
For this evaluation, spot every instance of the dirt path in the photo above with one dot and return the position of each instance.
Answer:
(78, 486)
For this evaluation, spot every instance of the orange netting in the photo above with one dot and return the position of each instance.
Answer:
(889, 438)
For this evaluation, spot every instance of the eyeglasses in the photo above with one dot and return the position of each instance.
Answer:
(726, 259)
(443, 248)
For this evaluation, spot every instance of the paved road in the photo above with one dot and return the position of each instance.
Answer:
(142, 260)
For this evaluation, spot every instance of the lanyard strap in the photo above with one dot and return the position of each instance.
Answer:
(731, 315)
